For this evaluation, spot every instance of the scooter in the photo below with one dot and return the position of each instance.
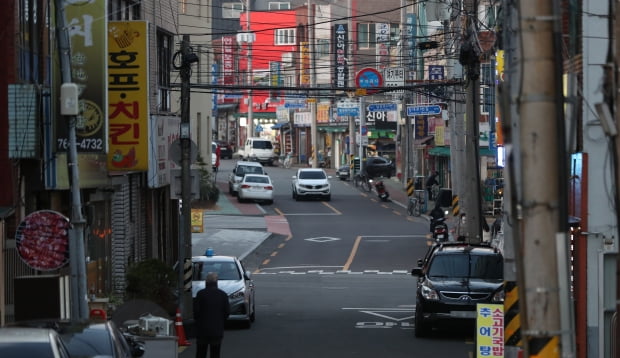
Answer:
(440, 230)
(382, 193)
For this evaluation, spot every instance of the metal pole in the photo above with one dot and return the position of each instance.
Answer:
(185, 239)
(250, 39)
(79, 306)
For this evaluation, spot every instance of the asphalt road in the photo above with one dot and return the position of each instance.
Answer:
(338, 283)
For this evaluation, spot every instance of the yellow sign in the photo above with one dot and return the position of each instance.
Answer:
(489, 330)
(128, 98)
(360, 91)
(197, 220)
(311, 100)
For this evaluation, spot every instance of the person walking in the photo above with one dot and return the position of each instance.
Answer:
(432, 180)
(211, 309)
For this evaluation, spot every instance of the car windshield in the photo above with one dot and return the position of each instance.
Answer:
(226, 270)
(243, 170)
(262, 144)
(467, 266)
(311, 174)
(256, 179)
(88, 342)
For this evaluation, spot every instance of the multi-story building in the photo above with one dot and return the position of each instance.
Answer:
(124, 97)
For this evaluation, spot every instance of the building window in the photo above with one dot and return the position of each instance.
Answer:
(124, 10)
(322, 47)
(164, 60)
(285, 37)
(232, 10)
(366, 35)
(279, 5)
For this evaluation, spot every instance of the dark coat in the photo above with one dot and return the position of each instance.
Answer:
(432, 179)
(211, 309)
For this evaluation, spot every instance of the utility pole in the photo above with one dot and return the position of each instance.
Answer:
(185, 238)
(469, 57)
(616, 154)
(77, 257)
(539, 202)
(250, 39)
(313, 132)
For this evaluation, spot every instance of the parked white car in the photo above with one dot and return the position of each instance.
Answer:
(239, 171)
(255, 187)
(311, 183)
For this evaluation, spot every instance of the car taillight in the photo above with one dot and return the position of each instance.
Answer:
(244, 186)
(268, 187)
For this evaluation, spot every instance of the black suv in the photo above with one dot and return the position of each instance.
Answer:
(452, 278)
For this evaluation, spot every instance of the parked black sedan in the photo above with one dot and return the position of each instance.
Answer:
(380, 167)
(226, 150)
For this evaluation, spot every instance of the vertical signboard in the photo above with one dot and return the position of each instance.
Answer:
(304, 59)
(322, 113)
(86, 21)
(421, 127)
(411, 31)
(341, 44)
(128, 96)
(228, 61)
(489, 330)
(382, 37)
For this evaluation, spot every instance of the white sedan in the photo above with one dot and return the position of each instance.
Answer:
(311, 183)
(255, 187)
(232, 279)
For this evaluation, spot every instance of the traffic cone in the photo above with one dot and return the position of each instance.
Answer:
(178, 325)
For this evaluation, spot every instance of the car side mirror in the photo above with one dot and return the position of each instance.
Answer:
(294, 176)
(420, 262)
(234, 171)
(416, 271)
(246, 275)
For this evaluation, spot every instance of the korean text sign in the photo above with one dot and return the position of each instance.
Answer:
(128, 101)
(489, 330)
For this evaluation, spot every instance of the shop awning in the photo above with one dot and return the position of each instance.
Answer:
(378, 133)
(279, 125)
(257, 115)
(425, 140)
(332, 129)
(225, 106)
(445, 152)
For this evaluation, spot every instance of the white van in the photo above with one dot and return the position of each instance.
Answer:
(258, 150)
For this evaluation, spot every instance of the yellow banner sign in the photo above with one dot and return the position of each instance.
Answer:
(197, 220)
(489, 330)
(128, 99)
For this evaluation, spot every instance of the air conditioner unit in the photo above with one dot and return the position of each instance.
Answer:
(287, 59)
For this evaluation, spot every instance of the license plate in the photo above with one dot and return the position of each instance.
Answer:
(463, 314)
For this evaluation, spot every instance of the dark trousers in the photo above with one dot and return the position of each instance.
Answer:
(212, 344)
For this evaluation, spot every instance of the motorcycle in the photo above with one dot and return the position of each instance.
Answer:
(382, 193)
(440, 230)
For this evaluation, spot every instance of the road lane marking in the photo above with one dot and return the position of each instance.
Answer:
(356, 245)
(331, 207)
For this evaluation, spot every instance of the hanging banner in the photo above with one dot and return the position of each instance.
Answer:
(341, 44)
(128, 96)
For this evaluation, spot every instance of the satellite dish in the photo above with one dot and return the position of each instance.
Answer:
(175, 153)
